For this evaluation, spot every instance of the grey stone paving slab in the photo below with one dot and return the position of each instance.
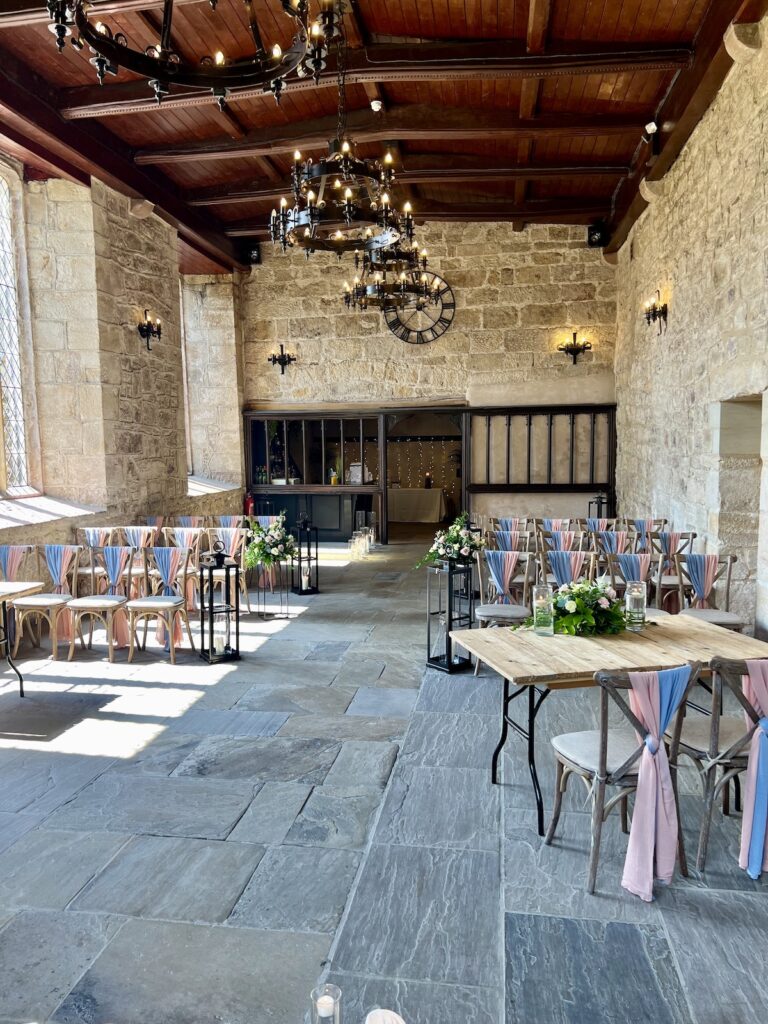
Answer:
(297, 700)
(229, 723)
(459, 693)
(225, 694)
(721, 870)
(720, 940)
(335, 817)
(178, 879)
(297, 888)
(391, 702)
(271, 814)
(552, 879)
(425, 914)
(418, 1002)
(160, 756)
(46, 868)
(563, 971)
(276, 758)
(42, 716)
(43, 954)
(362, 763)
(329, 650)
(358, 672)
(12, 826)
(291, 670)
(454, 741)
(451, 808)
(147, 805)
(38, 782)
(345, 727)
(169, 973)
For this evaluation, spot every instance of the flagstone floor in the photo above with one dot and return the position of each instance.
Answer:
(191, 844)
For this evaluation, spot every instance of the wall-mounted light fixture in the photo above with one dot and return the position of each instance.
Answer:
(656, 311)
(575, 347)
(282, 360)
(149, 329)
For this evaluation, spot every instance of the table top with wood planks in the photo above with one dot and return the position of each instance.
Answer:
(10, 592)
(563, 661)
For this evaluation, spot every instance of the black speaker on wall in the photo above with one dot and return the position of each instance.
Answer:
(597, 235)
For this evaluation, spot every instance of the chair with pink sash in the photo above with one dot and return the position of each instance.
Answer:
(705, 581)
(11, 558)
(511, 540)
(111, 569)
(265, 521)
(561, 567)
(230, 522)
(640, 540)
(61, 561)
(156, 522)
(665, 544)
(88, 538)
(632, 760)
(164, 600)
(724, 746)
(190, 537)
(509, 524)
(188, 522)
(562, 540)
(234, 541)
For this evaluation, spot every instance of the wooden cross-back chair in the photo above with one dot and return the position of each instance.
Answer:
(665, 544)
(641, 528)
(561, 567)
(111, 568)
(718, 744)
(510, 524)
(164, 572)
(608, 757)
(197, 522)
(698, 578)
(90, 537)
(561, 540)
(61, 562)
(512, 540)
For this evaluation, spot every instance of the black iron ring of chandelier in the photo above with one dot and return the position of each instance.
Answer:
(381, 291)
(296, 226)
(395, 259)
(164, 67)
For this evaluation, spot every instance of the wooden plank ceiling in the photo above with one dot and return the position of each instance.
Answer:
(519, 110)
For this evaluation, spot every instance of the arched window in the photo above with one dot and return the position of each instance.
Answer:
(14, 437)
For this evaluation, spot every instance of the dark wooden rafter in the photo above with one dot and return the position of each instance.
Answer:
(28, 107)
(421, 170)
(381, 63)
(400, 123)
(554, 211)
(681, 110)
(539, 12)
(18, 13)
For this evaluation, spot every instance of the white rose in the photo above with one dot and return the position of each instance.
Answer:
(570, 606)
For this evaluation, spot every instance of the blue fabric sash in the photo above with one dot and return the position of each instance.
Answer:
(134, 534)
(113, 563)
(54, 559)
(185, 521)
(696, 566)
(593, 524)
(495, 562)
(503, 541)
(642, 534)
(608, 540)
(163, 563)
(672, 684)
(760, 814)
(505, 523)
(630, 568)
(560, 563)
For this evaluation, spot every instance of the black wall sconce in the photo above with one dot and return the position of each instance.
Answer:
(149, 329)
(282, 360)
(656, 311)
(575, 348)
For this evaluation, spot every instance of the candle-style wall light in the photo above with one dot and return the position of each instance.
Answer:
(656, 311)
(149, 329)
(575, 347)
(282, 360)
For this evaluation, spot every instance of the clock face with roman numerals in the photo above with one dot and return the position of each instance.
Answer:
(419, 320)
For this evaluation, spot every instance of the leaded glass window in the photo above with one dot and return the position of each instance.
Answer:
(10, 358)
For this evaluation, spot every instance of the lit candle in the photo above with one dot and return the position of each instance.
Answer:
(326, 1006)
(218, 645)
(277, 51)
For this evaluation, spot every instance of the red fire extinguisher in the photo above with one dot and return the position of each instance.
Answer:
(248, 505)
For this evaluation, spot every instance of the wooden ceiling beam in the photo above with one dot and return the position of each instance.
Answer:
(264, 191)
(539, 13)
(558, 211)
(381, 63)
(681, 110)
(412, 122)
(19, 13)
(28, 107)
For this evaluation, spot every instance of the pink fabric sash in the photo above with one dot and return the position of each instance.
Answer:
(652, 845)
(562, 540)
(755, 687)
(176, 558)
(707, 582)
(64, 624)
(14, 558)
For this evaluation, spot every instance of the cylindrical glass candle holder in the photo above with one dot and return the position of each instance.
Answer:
(543, 610)
(326, 1004)
(635, 599)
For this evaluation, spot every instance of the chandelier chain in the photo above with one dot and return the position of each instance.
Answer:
(341, 77)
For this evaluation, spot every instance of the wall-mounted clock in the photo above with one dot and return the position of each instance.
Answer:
(418, 320)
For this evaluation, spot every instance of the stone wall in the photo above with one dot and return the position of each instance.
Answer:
(213, 333)
(704, 244)
(518, 294)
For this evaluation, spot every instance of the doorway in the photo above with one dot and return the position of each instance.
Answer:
(424, 472)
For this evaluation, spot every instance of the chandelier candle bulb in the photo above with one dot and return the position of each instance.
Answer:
(219, 58)
(277, 51)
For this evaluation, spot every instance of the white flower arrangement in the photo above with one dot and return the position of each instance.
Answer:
(456, 544)
(269, 544)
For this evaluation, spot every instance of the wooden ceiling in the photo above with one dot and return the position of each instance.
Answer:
(530, 111)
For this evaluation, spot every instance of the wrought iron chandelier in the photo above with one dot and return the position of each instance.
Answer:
(342, 191)
(391, 277)
(163, 66)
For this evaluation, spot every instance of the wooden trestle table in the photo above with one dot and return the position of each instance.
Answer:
(536, 665)
(9, 592)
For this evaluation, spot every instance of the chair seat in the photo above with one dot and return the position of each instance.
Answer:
(730, 620)
(86, 570)
(670, 581)
(98, 602)
(583, 749)
(159, 602)
(42, 601)
(696, 732)
(503, 612)
(656, 613)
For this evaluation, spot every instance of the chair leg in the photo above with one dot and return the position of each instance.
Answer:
(53, 622)
(706, 821)
(598, 805)
(75, 631)
(189, 630)
(20, 618)
(131, 635)
(171, 622)
(681, 855)
(561, 781)
(624, 808)
(727, 799)
(110, 638)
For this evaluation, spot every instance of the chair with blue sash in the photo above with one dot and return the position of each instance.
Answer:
(111, 569)
(60, 562)
(723, 747)
(190, 522)
(510, 540)
(665, 544)
(631, 567)
(699, 576)
(561, 540)
(164, 600)
(88, 538)
(631, 760)
(230, 522)
(641, 530)
(561, 567)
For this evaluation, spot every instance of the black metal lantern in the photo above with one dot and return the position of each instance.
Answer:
(598, 506)
(450, 606)
(304, 561)
(219, 638)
